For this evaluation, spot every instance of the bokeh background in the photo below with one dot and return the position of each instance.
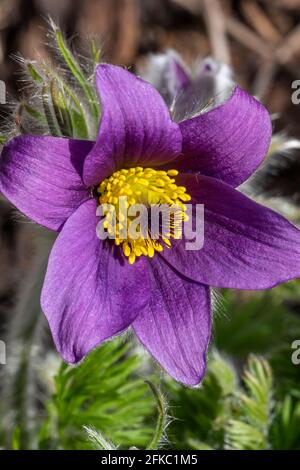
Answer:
(260, 40)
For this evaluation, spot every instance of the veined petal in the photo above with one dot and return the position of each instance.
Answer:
(90, 292)
(135, 129)
(40, 176)
(246, 245)
(229, 142)
(176, 327)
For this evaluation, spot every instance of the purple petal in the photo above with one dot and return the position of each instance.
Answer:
(228, 142)
(90, 293)
(40, 176)
(246, 245)
(135, 129)
(176, 327)
(168, 74)
(211, 87)
(180, 71)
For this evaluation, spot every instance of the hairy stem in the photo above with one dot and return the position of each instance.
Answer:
(162, 419)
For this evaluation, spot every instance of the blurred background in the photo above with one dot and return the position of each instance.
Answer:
(260, 40)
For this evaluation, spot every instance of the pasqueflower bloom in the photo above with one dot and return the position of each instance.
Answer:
(185, 90)
(95, 289)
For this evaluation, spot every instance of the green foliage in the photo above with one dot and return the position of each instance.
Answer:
(99, 442)
(103, 393)
(3, 139)
(62, 97)
(250, 429)
(224, 414)
(256, 322)
(285, 430)
(263, 323)
(201, 413)
(78, 73)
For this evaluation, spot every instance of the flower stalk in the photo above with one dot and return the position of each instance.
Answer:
(162, 419)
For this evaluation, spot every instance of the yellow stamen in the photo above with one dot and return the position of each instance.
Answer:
(172, 172)
(146, 186)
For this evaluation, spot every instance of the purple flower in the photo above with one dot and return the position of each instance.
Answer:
(187, 91)
(96, 289)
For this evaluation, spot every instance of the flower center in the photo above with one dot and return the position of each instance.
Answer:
(155, 190)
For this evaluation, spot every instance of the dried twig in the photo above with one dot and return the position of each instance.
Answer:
(216, 28)
(129, 31)
(264, 78)
(257, 18)
(248, 38)
(290, 47)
